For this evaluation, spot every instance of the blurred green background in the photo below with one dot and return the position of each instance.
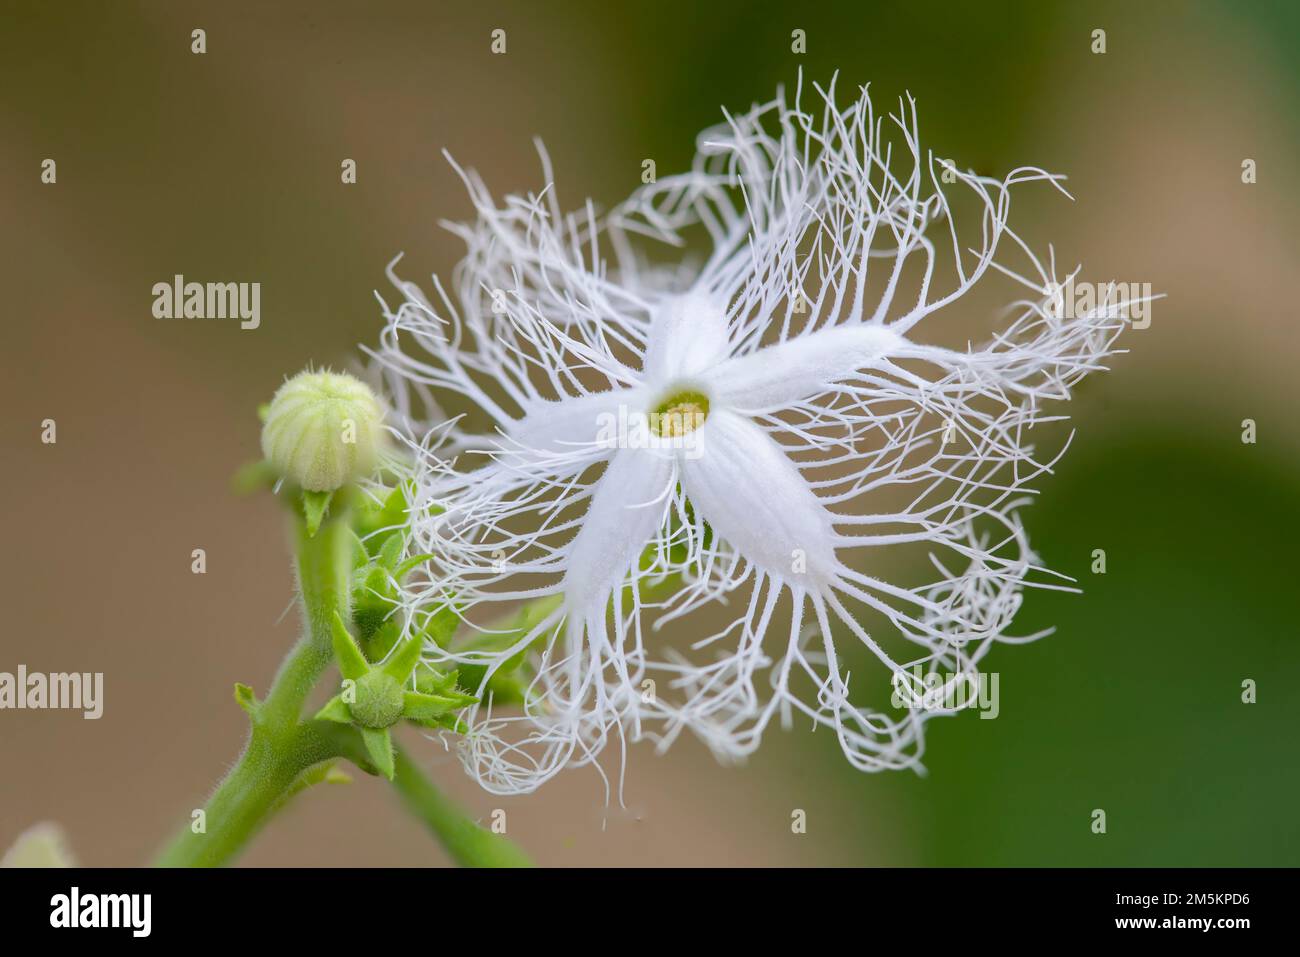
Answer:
(226, 166)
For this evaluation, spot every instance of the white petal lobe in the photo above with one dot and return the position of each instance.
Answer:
(688, 336)
(627, 510)
(748, 490)
(800, 368)
(574, 425)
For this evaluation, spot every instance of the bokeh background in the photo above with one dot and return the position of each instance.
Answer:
(226, 166)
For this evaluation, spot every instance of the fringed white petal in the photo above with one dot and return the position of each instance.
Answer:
(754, 498)
(577, 427)
(800, 368)
(587, 684)
(627, 510)
(688, 334)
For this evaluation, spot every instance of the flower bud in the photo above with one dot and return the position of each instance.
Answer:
(379, 700)
(323, 430)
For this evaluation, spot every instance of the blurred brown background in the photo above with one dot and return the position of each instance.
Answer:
(226, 166)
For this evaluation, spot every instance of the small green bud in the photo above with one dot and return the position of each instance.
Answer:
(323, 430)
(379, 700)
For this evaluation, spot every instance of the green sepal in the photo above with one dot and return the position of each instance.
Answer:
(378, 524)
(254, 477)
(391, 553)
(378, 646)
(404, 569)
(352, 663)
(441, 626)
(393, 511)
(432, 681)
(449, 721)
(379, 745)
(373, 600)
(335, 709)
(314, 507)
(528, 617)
(360, 557)
(506, 689)
(245, 698)
(377, 581)
(426, 707)
(404, 660)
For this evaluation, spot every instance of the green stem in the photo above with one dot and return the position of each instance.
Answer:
(468, 844)
(248, 796)
(279, 748)
(323, 571)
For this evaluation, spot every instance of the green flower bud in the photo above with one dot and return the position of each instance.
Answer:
(379, 700)
(323, 430)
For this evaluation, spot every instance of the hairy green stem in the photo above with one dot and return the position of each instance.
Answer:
(323, 571)
(469, 844)
(281, 746)
(248, 796)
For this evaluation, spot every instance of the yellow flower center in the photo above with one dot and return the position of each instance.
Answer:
(680, 414)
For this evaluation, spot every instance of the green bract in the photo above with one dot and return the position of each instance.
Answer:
(376, 698)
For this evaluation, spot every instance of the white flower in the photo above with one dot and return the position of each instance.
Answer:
(813, 420)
